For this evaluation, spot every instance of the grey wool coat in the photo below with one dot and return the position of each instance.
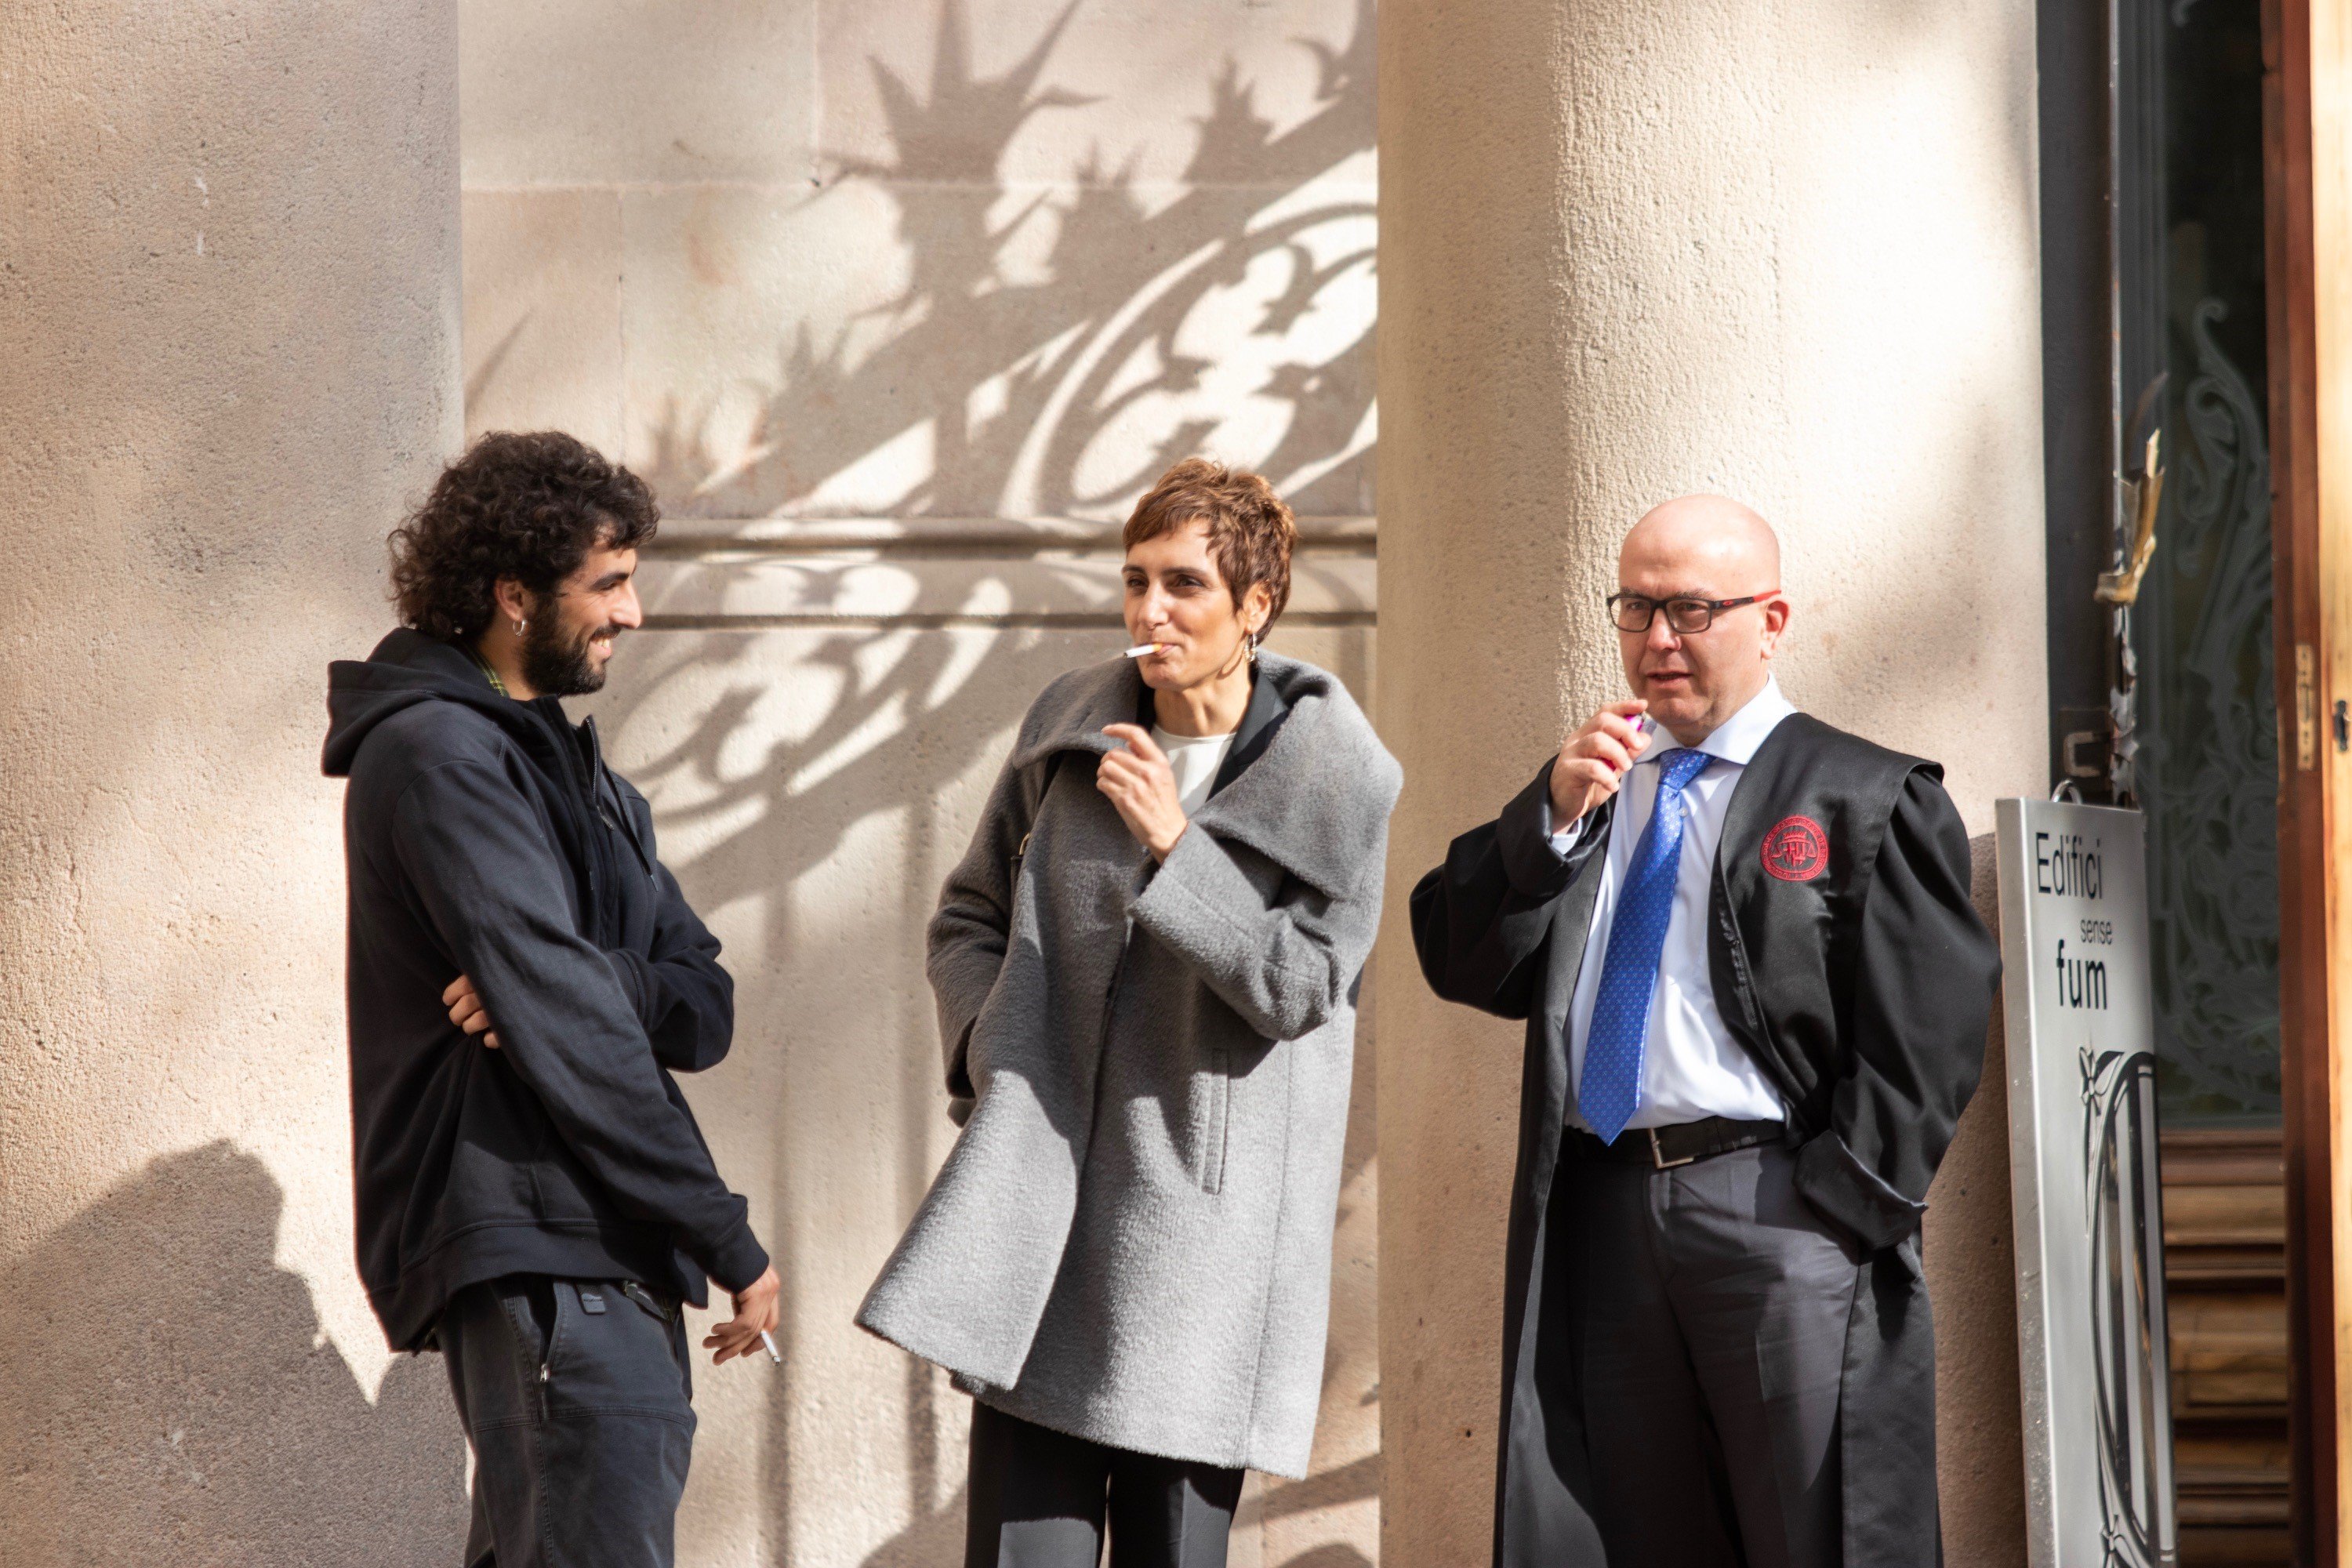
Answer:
(1131, 1241)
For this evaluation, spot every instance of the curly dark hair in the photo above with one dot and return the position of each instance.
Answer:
(528, 507)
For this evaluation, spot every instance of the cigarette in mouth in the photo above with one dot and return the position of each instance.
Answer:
(1142, 648)
(774, 1355)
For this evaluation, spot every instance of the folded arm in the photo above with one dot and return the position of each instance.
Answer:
(568, 1027)
(684, 1000)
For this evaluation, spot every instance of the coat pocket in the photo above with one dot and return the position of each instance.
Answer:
(1216, 1107)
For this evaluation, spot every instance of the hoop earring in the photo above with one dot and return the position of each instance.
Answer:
(522, 627)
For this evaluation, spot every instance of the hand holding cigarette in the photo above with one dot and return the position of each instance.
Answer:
(756, 1313)
(1595, 757)
(1141, 784)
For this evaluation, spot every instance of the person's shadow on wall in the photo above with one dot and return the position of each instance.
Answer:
(167, 1397)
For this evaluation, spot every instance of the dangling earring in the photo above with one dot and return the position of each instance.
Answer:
(1253, 645)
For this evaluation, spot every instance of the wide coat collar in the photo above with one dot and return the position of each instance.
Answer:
(1303, 785)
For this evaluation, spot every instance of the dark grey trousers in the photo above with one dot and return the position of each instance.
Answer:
(576, 1396)
(1696, 1317)
(1040, 1499)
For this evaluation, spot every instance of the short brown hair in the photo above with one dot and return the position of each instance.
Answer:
(1251, 531)
(529, 506)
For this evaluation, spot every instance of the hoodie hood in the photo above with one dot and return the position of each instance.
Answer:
(408, 667)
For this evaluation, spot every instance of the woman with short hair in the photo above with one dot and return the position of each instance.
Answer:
(1146, 968)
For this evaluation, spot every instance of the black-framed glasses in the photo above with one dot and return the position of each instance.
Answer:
(1687, 616)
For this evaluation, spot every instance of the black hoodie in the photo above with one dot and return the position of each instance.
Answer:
(485, 836)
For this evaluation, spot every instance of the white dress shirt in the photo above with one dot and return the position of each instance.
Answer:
(1691, 1065)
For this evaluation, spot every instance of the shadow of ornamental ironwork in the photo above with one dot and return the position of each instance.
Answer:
(1058, 379)
(827, 687)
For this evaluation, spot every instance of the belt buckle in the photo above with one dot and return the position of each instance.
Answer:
(1658, 1160)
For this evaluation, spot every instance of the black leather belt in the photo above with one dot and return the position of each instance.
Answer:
(1664, 1147)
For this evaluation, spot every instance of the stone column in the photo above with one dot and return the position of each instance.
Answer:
(228, 358)
(1786, 252)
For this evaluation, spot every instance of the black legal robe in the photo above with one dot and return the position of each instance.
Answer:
(1849, 962)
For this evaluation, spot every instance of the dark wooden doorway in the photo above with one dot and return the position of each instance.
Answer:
(2305, 223)
(2193, 255)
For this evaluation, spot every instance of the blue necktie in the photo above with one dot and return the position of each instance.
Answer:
(1610, 1085)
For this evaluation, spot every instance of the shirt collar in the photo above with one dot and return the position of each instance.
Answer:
(1735, 739)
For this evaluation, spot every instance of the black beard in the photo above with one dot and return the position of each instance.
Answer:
(557, 666)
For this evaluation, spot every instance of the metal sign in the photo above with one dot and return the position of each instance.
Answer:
(2084, 1182)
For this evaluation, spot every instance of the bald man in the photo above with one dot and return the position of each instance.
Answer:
(1755, 996)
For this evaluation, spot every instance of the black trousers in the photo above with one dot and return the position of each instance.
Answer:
(576, 1396)
(1691, 1325)
(1040, 1499)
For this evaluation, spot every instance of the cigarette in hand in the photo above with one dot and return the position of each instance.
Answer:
(1641, 739)
(774, 1355)
(1142, 648)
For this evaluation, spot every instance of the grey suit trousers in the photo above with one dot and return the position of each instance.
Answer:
(1694, 1319)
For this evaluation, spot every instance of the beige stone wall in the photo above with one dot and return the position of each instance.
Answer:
(228, 353)
(1786, 251)
(900, 306)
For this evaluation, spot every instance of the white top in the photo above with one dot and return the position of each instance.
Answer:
(1691, 1065)
(1196, 759)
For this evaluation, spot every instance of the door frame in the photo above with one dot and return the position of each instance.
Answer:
(2307, 125)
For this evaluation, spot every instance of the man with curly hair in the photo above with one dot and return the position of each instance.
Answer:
(534, 1197)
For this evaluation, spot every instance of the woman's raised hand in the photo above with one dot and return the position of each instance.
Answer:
(1141, 784)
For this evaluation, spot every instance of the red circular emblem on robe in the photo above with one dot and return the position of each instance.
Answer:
(1797, 851)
